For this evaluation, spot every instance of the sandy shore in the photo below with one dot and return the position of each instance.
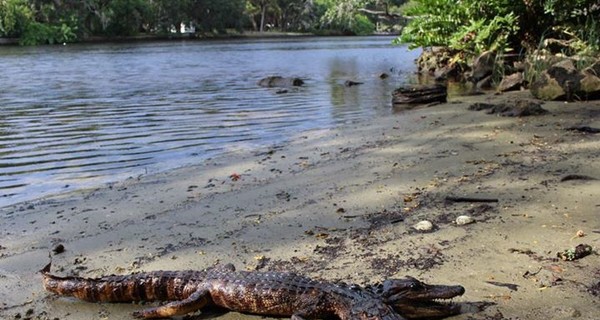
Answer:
(339, 204)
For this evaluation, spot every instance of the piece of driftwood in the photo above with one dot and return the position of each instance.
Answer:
(420, 94)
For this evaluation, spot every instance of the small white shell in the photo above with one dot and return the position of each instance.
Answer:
(423, 226)
(462, 220)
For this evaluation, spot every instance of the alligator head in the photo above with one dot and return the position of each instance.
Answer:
(415, 299)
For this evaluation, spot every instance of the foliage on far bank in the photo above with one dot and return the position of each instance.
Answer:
(41, 21)
(473, 26)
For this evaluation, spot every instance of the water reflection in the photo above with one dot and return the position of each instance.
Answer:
(75, 116)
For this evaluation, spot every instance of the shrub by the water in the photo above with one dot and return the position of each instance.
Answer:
(475, 26)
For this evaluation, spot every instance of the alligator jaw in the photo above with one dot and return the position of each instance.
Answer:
(415, 299)
(428, 310)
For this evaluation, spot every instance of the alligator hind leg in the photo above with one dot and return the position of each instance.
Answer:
(194, 302)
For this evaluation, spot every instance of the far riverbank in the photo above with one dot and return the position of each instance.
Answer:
(200, 37)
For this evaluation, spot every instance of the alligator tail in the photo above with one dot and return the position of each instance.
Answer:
(137, 287)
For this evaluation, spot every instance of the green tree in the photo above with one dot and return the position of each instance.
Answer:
(297, 15)
(344, 15)
(128, 17)
(15, 15)
(218, 15)
(170, 13)
(261, 7)
(96, 16)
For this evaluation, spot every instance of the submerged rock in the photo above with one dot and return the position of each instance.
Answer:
(278, 81)
(351, 83)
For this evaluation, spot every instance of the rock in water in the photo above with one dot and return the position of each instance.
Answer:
(277, 81)
(350, 83)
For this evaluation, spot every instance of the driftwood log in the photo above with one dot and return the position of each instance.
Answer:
(420, 94)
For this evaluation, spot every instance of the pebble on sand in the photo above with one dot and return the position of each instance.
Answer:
(462, 220)
(423, 226)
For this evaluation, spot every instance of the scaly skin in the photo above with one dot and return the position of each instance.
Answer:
(264, 293)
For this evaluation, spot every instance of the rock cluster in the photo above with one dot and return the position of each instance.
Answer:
(558, 73)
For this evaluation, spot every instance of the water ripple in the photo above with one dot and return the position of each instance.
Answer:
(81, 115)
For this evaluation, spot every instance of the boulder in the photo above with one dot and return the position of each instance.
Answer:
(483, 66)
(280, 82)
(512, 82)
(562, 81)
(556, 82)
(440, 63)
(590, 84)
(431, 59)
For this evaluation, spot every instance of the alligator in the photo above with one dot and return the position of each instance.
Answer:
(281, 294)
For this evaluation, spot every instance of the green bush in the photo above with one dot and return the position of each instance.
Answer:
(15, 15)
(473, 26)
(362, 25)
(469, 25)
(41, 33)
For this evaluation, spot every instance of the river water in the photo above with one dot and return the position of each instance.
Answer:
(83, 115)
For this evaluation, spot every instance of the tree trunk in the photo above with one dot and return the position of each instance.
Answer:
(263, 12)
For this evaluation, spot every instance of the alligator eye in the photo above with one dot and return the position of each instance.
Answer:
(415, 286)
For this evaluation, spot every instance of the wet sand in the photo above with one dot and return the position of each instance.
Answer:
(340, 205)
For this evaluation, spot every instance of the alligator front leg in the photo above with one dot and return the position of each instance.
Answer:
(194, 302)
